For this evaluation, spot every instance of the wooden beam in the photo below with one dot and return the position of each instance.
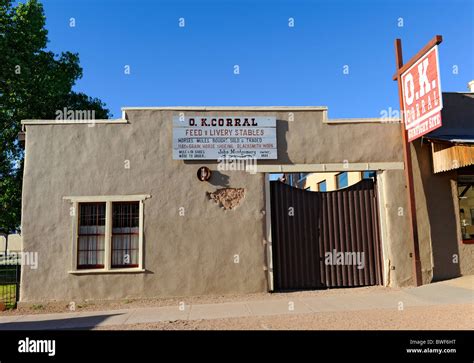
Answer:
(465, 191)
(435, 41)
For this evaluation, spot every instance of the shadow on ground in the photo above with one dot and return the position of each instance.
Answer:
(85, 322)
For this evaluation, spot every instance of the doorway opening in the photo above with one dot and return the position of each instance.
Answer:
(325, 230)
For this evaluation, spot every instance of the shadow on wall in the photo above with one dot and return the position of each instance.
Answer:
(218, 179)
(457, 114)
(282, 144)
(441, 211)
(283, 158)
(221, 179)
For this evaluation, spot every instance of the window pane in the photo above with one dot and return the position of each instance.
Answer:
(342, 180)
(91, 236)
(466, 205)
(322, 186)
(368, 174)
(125, 233)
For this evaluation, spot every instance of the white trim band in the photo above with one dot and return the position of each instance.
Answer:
(330, 167)
(229, 108)
(108, 198)
(374, 120)
(74, 122)
(102, 271)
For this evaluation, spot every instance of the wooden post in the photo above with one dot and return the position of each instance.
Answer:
(401, 68)
(408, 173)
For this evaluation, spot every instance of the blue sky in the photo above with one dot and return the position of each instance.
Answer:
(279, 65)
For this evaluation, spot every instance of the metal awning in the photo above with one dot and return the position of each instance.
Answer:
(457, 139)
(451, 152)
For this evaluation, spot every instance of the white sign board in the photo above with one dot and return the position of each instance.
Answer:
(213, 138)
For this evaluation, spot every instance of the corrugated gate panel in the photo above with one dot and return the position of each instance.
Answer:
(308, 225)
(294, 221)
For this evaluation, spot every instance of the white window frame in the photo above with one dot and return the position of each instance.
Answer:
(108, 200)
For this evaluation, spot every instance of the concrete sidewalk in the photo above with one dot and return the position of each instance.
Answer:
(457, 291)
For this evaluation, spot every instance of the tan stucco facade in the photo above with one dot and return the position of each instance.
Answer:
(190, 243)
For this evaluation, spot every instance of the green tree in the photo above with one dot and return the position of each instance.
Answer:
(34, 83)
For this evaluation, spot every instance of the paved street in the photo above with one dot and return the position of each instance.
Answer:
(437, 296)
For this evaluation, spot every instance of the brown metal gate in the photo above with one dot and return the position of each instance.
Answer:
(308, 225)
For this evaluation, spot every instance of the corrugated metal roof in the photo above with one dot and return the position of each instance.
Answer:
(451, 156)
(460, 139)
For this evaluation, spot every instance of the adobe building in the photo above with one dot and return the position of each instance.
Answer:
(141, 206)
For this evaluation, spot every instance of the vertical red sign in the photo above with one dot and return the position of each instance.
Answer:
(421, 93)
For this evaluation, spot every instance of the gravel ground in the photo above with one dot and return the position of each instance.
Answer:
(98, 305)
(442, 317)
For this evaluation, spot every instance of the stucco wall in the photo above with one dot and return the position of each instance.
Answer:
(437, 216)
(191, 254)
(398, 243)
(441, 253)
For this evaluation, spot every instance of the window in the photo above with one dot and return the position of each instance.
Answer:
(91, 235)
(108, 234)
(302, 180)
(466, 206)
(125, 234)
(368, 174)
(341, 180)
(322, 186)
(302, 176)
